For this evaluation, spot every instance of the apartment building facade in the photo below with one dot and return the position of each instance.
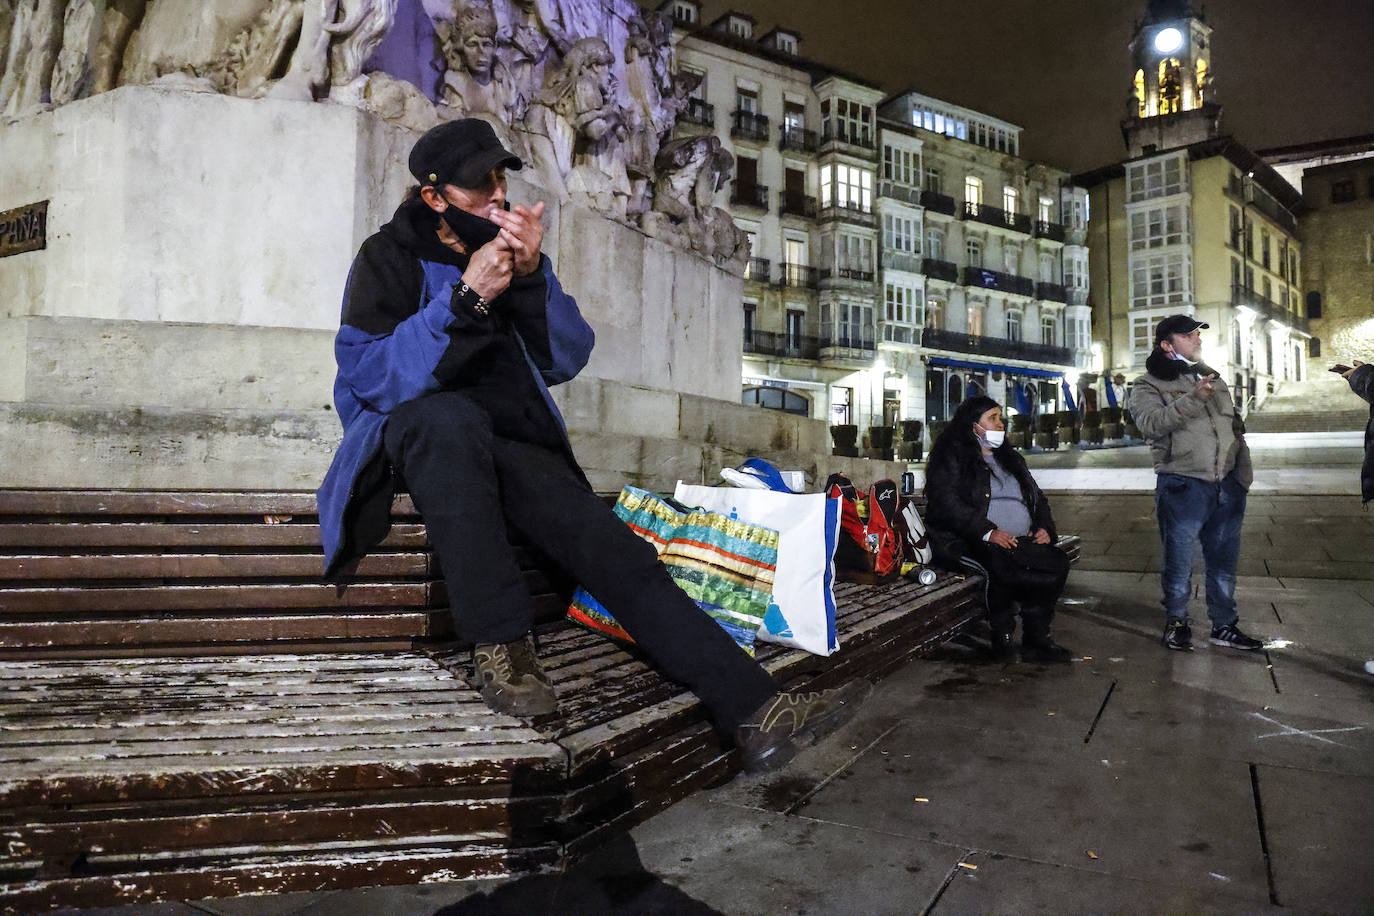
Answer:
(903, 254)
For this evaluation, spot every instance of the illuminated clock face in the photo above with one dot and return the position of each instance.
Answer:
(1168, 40)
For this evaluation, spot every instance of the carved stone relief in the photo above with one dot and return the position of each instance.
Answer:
(582, 89)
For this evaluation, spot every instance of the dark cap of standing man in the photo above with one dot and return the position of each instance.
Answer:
(1177, 324)
(460, 153)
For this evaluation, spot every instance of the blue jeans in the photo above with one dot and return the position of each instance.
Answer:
(1190, 509)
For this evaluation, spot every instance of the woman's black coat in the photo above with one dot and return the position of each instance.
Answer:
(958, 493)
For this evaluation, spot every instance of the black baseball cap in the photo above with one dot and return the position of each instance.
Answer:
(1177, 324)
(459, 153)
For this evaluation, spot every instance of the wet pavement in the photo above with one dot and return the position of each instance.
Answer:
(1134, 780)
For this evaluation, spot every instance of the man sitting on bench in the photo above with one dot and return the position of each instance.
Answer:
(453, 327)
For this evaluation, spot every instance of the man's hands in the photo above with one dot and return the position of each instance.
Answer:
(1041, 536)
(1204, 387)
(489, 270)
(513, 253)
(1357, 365)
(522, 233)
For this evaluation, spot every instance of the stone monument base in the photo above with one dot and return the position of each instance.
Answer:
(177, 329)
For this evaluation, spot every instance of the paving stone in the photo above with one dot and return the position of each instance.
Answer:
(1008, 884)
(1320, 844)
(1105, 562)
(748, 861)
(1330, 569)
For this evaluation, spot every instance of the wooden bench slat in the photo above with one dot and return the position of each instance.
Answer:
(74, 757)
(201, 566)
(413, 817)
(171, 502)
(329, 870)
(50, 731)
(156, 535)
(101, 602)
(343, 663)
(525, 755)
(198, 631)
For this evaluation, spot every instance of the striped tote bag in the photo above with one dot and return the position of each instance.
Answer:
(725, 565)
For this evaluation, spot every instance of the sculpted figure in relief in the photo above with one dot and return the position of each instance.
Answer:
(534, 37)
(689, 172)
(576, 127)
(35, 41)
(647, 118)
(475, 81)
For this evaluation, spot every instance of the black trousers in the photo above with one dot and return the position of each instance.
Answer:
(473, 487)
(1029, 574)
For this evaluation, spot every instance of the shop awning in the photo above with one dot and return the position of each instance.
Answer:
(990, 367)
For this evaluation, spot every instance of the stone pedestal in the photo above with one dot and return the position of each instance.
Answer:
(177, 329)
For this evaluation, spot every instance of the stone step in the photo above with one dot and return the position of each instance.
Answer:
(61, 445)
(1294, 422)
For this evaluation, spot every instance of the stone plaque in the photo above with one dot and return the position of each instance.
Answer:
(24, 229)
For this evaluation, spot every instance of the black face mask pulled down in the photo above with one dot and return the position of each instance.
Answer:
(472, 230)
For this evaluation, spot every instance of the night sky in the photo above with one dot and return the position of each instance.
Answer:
(1286, 71)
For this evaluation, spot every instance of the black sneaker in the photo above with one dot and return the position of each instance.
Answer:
(511, 680)
(770, 738)
(1231, 637)
(1178, 635)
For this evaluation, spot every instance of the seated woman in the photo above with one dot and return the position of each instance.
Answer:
(985, 513)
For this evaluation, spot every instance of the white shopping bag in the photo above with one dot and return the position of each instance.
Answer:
(802, 612)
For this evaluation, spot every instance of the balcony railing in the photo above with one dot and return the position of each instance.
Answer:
(904, 193)
(895, 259)
(771, 343)
(798, 275)
(758, 270)
(940, 203)
(843, 133)
(996, 216)
(1002, 282)
(960, 342)
(1054, 292)
(749, 195)
(936, 269)
(851, 211)
(798, 139)
(1261, 200)
(849, 340)
(749, 125)
(846, 273)
(797, 205)
(698, 112)
(1268, 308)
(1047, 230)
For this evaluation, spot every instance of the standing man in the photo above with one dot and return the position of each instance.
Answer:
(1197, 441)
(454, 326)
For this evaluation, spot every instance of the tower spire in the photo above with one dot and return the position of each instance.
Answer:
(1172, 101)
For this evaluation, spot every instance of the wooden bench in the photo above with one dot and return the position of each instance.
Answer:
(188, 712)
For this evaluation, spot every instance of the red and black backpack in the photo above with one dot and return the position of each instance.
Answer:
(870, 546)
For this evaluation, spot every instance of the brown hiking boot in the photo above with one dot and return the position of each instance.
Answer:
(770, 737)
(511, 680)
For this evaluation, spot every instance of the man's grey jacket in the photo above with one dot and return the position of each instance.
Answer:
(1189, 435)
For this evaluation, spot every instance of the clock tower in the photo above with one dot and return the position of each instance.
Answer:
(1172, 102)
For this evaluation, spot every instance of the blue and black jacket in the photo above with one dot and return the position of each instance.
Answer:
(403, 334)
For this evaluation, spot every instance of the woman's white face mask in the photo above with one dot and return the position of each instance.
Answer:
(990, 438)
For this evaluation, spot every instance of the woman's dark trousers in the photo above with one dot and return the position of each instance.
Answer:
(1030, 574)
(474, 488)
